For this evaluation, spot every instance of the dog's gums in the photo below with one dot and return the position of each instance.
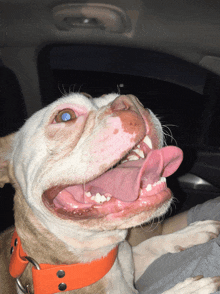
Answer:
(136, 184)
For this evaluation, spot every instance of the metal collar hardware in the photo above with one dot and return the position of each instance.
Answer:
(26, 288)
(57, 278)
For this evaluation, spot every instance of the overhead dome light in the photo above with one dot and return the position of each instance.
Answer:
(90, 16)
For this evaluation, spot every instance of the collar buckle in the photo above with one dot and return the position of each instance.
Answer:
(26, 289)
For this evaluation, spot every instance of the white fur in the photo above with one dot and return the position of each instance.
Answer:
(32, 152)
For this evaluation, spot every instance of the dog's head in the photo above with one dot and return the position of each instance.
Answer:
(94, 163)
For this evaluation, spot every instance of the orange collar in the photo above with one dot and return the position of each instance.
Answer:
(51, 279)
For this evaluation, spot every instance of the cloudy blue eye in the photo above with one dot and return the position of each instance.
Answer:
(65, 115)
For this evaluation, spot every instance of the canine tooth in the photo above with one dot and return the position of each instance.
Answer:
(139, 152)
(124, 161)
(93, 198)
(108, 198)
(147, 141)
(132, 157)
(138, 146)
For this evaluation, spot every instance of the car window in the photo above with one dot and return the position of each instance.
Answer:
(179, 105)
(12, 110)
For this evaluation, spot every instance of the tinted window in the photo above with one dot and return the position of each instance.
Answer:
(12, 110)
(179, 109)
(181, 106)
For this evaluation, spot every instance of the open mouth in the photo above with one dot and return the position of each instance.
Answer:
(136, 184)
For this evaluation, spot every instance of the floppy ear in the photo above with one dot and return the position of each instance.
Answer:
(87, 95)
(6, 144)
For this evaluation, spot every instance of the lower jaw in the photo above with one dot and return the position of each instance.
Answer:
(113, 209)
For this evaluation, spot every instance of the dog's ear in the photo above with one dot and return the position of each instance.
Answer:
(6, 144)
(87, 95)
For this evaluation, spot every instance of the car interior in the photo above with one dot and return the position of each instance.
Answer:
(164, 52)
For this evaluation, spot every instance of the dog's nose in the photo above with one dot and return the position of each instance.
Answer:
(122, 103)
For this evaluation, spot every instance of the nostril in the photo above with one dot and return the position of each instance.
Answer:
(121, 103)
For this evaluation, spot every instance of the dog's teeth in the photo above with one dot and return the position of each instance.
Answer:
(138, 146)
(163, 180)
(88, 194)
(132, 157)
(103, 198)
(149, 187)
(100, 198)
(124, 161)
(147, 141)
(139, 152)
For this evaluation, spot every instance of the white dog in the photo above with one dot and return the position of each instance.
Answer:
(85, 170)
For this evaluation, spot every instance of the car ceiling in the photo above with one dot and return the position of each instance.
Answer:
(189, 30)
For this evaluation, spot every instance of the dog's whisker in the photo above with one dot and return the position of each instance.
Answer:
(119, 89)
(170, 136)
(172, 207)
(62, 91)
(174, 202)
(80, 88)
(73, 88)
(168, 133)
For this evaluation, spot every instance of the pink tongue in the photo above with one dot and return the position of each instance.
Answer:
(124, 182)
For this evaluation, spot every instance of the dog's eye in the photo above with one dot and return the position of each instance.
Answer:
(65, 115)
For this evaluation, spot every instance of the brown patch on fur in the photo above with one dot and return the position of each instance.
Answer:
(86, 94)
(128, 110)
(132, 123)
(7, 283)
(103, 95)
(5, 148)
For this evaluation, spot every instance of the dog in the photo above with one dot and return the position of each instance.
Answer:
(84, 171)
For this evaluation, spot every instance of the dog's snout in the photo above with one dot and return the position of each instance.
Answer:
(121, 103)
